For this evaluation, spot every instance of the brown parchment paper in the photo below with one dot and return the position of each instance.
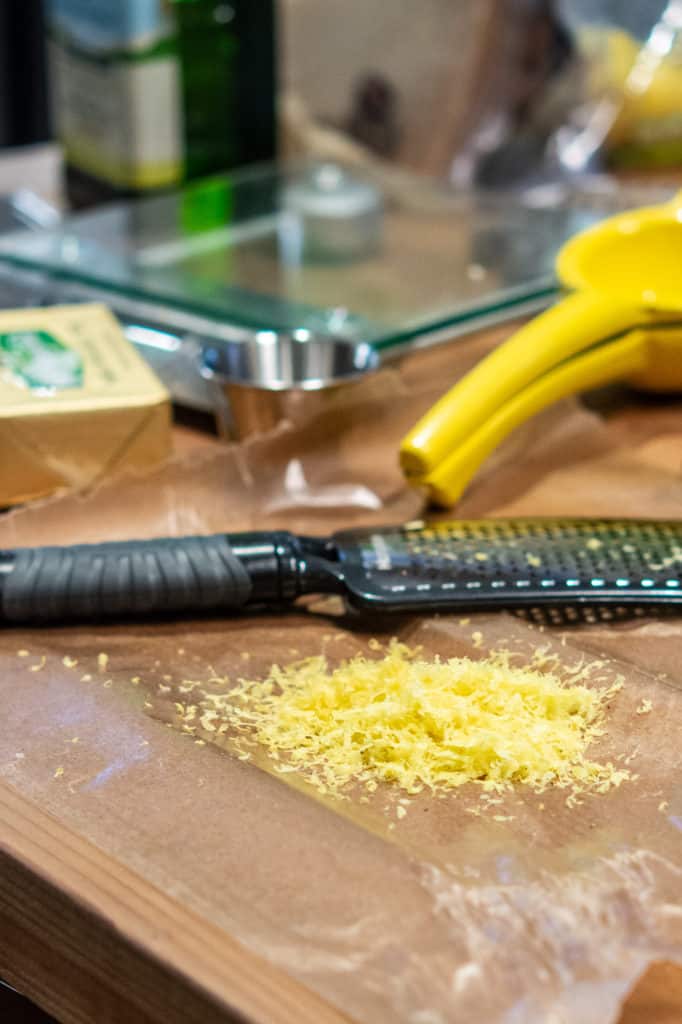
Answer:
(444, 916)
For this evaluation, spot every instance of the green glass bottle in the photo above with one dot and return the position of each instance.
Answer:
(208, 49)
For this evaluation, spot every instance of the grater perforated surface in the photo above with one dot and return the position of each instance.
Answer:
(521, 563)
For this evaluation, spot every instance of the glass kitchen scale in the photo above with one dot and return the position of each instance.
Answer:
(298, 275)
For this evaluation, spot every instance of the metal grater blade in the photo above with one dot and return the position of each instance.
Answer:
(561, 570)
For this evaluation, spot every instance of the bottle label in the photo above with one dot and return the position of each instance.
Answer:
(119, 117)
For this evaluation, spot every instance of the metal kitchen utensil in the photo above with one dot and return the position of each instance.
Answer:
(564, 570)
(254, 377)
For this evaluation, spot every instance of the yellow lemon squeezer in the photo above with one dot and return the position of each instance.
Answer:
(622, 320)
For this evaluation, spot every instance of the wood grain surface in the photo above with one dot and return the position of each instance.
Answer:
(91, 941)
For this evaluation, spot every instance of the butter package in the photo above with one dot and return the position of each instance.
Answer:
(77, 402)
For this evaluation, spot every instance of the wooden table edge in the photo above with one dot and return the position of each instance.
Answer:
(88, 939)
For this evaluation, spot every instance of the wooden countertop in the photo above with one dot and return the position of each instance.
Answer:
(86, 930)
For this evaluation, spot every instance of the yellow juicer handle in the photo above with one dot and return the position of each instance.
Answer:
(626, 356)
(577, 322)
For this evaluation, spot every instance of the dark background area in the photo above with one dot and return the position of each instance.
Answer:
(14, 1009)
(23, 87)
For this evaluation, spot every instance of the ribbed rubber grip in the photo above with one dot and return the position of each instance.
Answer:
(97, 580)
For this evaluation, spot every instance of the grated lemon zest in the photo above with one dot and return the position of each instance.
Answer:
(422, 725)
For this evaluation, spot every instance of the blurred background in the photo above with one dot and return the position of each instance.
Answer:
(391, 175)
(136, 96)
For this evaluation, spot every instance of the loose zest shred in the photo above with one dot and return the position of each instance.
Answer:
(420, 724)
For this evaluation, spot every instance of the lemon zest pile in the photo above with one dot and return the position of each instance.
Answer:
(420, 724)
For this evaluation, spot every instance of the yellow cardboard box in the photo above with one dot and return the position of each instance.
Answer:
(77, 402)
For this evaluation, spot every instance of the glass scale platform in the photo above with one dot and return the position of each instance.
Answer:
(313, 252)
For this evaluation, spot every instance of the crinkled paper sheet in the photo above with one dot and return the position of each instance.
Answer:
(442, 916)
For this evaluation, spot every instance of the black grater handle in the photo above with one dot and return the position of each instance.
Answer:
(91, 581)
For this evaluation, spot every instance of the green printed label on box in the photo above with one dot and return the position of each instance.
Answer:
(40, 362)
